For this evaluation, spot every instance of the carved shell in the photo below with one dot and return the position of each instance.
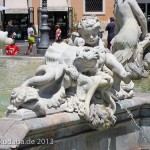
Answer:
(22, 95)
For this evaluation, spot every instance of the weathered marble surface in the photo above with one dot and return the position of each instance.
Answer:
(87, 35)
(81, 78)
(147, 61)
(66, 131)
(4, 40)
(77, 89)
(88, 30)
(131, 36)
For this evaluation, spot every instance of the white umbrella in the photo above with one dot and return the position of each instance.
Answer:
(3, 8)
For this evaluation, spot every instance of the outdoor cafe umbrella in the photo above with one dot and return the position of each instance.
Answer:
(3, 8)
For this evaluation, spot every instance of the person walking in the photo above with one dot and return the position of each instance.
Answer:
(11, 29)
(58, 34)
(110, 28)
(31, 39)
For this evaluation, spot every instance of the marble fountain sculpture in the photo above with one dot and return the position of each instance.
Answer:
(76, 78)
(82, 76)
(82, 79)
(131, 38)
(4, 40)
(85, 79)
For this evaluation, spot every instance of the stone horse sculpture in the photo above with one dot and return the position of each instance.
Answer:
(80, 78)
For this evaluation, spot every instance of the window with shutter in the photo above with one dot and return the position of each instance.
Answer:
(94, 6)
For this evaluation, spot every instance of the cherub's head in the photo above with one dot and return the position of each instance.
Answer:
(88, 29)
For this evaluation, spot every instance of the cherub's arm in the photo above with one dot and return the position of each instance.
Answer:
(139, 15)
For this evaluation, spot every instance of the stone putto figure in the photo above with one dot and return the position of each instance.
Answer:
(88, 29)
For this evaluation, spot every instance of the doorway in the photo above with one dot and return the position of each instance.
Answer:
(20, 22)
(58, 18)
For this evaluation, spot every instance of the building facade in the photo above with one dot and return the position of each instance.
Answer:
(66, 13)
(21, 12)
(103, 9)
(145, 6)
(59, 13)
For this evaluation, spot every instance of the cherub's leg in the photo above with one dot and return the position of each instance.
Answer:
(117, 68)
(58, 98)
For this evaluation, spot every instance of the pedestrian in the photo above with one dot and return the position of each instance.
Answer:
(58, 34)
(12, 49)
(110, 28)
(11, 29)
(31, 39)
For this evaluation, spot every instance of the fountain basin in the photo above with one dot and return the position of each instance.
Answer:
(142, 85)
(66, 131)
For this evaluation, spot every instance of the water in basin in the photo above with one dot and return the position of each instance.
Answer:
(142, 86)
(14, 71)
